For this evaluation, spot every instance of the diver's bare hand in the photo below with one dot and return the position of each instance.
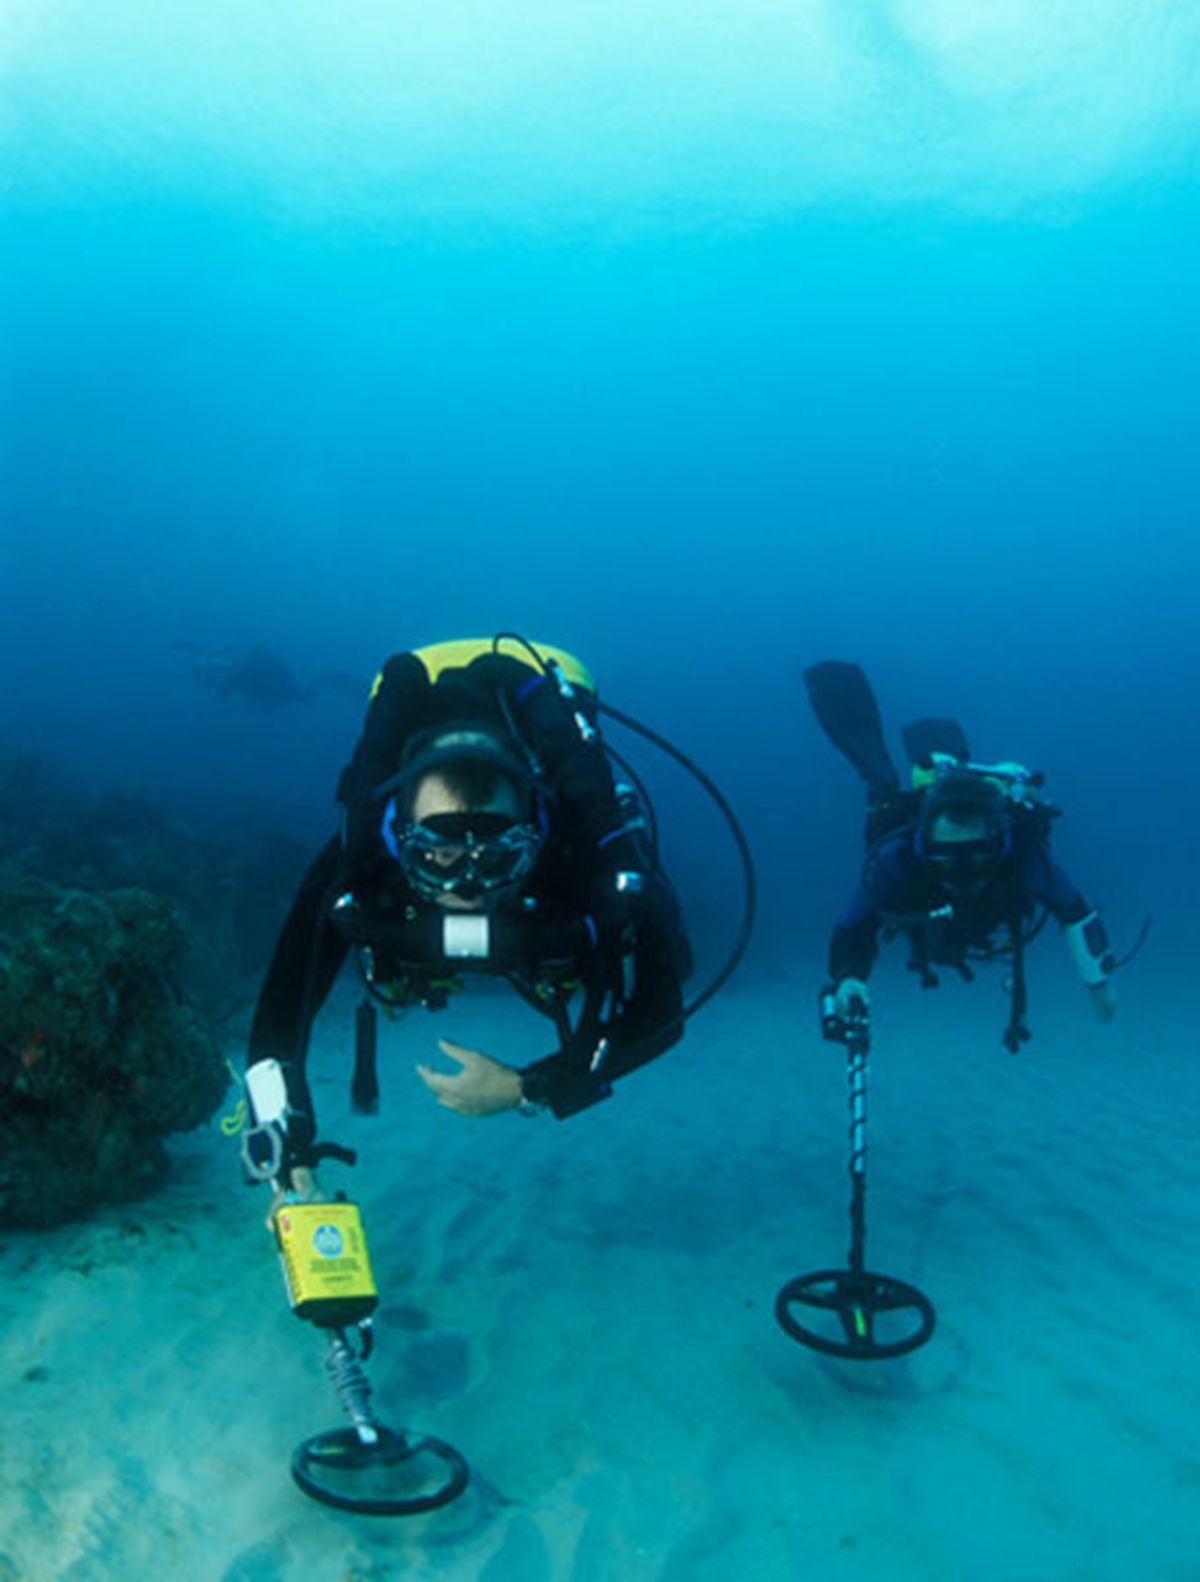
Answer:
(1104, 1000)
(482, 1087)
(305, 1188)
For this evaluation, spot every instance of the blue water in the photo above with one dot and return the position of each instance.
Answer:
(706, 342)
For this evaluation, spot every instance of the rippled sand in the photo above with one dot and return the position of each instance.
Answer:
(585, 1310)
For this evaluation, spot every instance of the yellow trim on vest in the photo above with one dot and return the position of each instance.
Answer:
(437, 657)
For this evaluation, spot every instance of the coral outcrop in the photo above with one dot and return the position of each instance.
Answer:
(102, 1055)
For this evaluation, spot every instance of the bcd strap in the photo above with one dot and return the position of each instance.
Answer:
(429, 940)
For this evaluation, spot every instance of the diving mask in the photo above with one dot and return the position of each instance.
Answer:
(465, 854)
(965, 862)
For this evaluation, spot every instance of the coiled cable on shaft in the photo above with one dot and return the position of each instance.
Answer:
(352, 1386)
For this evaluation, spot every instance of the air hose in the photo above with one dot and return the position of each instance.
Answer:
(749, 879)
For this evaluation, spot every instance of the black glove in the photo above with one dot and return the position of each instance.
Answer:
(845, 1011)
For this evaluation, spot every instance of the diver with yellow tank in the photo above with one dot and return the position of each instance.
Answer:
(483, 831)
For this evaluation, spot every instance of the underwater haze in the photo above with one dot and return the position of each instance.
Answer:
(706, 341)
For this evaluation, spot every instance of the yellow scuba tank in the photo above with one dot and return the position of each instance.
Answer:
(325, 1264)
(437, 657)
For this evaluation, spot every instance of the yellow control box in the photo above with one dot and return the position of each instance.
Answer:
(325, 1263)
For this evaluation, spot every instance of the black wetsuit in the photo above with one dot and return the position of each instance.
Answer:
(630, 955)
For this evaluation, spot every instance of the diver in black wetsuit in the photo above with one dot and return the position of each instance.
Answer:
(261, 676)
(482, 830)
(961, 863)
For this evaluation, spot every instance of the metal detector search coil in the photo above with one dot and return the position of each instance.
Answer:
(325, 1264)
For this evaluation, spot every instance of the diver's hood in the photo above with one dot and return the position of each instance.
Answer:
(455, 743)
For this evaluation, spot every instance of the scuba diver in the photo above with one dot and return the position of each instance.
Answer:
(482, 830)
(960, 862)
(261, 676)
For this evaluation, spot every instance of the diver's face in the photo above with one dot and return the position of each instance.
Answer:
(432, 798)
(962, 854)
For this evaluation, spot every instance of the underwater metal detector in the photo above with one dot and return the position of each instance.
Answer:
(366, 1468)
(877, 1315)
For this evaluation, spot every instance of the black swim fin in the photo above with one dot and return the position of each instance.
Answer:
(923, 737)
(844, 704)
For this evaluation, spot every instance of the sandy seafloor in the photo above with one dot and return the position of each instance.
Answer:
(585, 1309)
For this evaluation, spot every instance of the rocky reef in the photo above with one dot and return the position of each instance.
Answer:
(101, 1054)
(126, 945)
